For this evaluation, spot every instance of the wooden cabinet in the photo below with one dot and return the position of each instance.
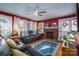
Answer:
(69, 51)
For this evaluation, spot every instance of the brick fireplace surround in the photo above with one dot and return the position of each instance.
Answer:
(51, 34)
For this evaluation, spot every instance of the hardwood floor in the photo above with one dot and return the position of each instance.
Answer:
(32, 43)
(59, 51)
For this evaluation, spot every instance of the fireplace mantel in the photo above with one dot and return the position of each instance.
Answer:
(50, 27)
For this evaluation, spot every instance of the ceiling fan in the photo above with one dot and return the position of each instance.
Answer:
(36, 12)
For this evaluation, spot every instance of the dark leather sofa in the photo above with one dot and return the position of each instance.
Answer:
(31, 38)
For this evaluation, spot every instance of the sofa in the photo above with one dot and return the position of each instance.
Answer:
(9, 48)
(31, 38)
(6, 50)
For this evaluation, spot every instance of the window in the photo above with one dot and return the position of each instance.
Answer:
(67, 28)
(17, 24)
(74, 25)
(20, 25)
(5, 25)
(33, 27)
(28, 25)
(23, 26)
(41, 27)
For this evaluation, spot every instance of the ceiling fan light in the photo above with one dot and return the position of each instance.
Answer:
(35, 14)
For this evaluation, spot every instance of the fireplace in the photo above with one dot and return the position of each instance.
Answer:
(51, 34)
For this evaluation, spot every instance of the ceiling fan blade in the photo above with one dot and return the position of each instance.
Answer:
(39, 14)
(42, 12)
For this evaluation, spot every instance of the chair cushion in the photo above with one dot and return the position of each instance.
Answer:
(11, 43)
(4, 48)
(16, 52)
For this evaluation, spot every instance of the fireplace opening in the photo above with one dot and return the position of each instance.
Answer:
(49, 35)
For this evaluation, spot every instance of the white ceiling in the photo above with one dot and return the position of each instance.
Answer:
(53, 9)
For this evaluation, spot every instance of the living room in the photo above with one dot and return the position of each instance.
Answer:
(38, 29)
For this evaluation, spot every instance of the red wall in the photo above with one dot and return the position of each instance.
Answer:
(51, 21)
